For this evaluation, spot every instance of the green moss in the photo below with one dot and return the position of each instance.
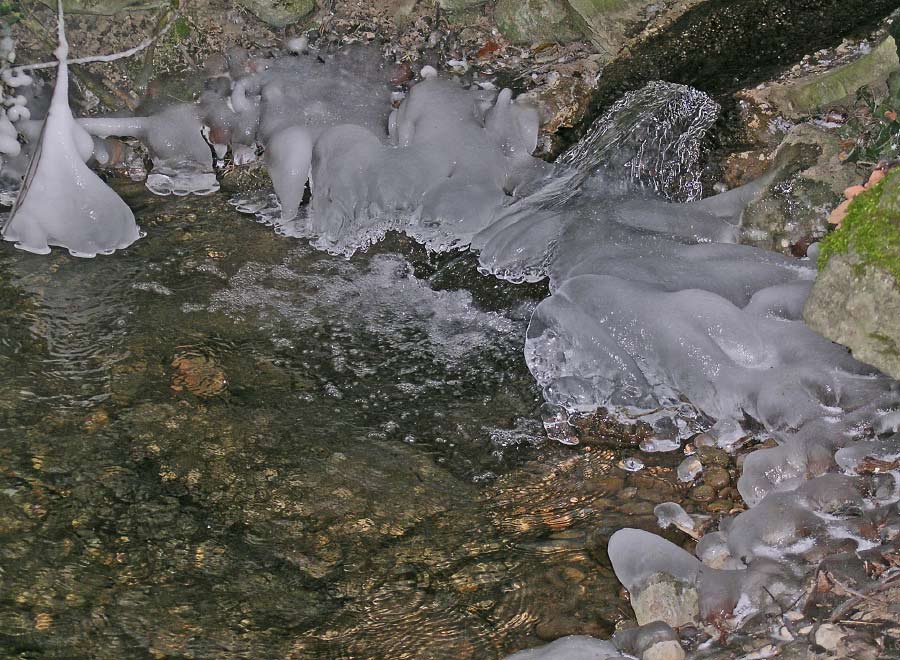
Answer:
(871, 228)
(182, 29)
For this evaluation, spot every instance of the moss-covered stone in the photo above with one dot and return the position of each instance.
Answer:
(278, 13)
(871, 229)
(856, 298)
(801, 97)
(609, 22)
(532, 21)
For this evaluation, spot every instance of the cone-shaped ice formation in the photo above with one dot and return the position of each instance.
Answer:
(62, 202)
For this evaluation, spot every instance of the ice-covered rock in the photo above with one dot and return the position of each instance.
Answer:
(660, 577)
(636, 641)
(575, 647)
(672, 514)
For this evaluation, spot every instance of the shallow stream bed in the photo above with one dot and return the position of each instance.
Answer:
(221, 443)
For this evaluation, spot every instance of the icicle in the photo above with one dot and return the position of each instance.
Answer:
(62, 202)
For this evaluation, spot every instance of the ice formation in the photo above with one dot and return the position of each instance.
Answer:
(61, 201)
(575, 647)
(182, 158)
(655, 310)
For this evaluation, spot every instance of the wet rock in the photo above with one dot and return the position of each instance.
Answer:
(667, 599)
(534, 21)
(829, 636)
(562, 104)
(637, 640)
(199, 374)
(794, 207)
(278, 13)
(717, 477)
(609, 22)
(703, 493)
(668, 650)
(856, 297)
(713, 456)
(637, 508)
(803, 96)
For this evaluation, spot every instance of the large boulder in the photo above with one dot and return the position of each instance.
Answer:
(609, 23)
(803, 96)
(533, 21)
(278, 13)
(856, 298)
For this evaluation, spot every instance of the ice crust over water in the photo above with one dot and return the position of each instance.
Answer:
(384, 298)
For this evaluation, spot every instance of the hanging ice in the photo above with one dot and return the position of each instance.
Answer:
(62, 202)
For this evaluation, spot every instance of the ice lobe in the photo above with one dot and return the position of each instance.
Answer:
(62, 202)
(668, 584)
(574, 647)
(182, 159)
(454, 158)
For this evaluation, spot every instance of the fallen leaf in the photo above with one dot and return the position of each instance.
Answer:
(487, 50)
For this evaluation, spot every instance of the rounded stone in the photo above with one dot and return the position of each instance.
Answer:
(669, 650)
(717, 478)
(713, 456)
(703, 493)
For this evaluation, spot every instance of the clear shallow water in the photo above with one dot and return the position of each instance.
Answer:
(222, 444)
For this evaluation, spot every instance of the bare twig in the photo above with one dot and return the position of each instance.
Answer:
(859, 597)
(112, 57)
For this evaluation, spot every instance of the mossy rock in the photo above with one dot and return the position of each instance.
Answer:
(534, 21)
(856, 298)
(803, 96)
(871, 229)
(278, 13)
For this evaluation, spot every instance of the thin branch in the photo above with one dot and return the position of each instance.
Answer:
(146, 43)
(859, 597)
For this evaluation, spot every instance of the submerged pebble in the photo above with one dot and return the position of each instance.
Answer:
(631, 464)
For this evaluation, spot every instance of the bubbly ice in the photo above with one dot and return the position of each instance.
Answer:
(382, 296)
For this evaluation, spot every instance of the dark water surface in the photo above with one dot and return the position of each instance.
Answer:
(223, 444)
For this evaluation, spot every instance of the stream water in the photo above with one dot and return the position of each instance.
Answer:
(222, 448)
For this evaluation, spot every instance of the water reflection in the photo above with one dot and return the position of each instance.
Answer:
(213, 448)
